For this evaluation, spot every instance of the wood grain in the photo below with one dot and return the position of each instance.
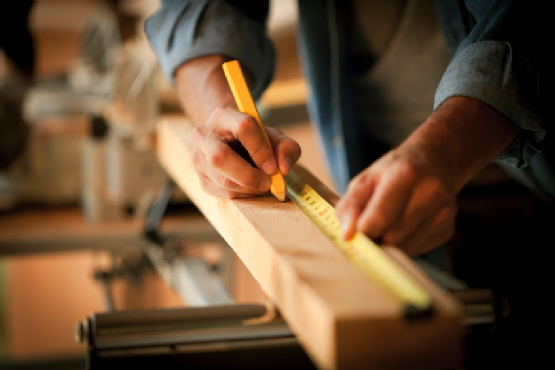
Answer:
(343, 320)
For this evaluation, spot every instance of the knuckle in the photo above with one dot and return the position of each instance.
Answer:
(356, 181)
(437, 188)
(227, 183)
(408, 171)
(219, 111)
(245, 126)
(216, 158)
(359, 180)
(197, 134)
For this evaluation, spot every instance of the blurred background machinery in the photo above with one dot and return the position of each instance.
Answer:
(78, 176)
(104, 108)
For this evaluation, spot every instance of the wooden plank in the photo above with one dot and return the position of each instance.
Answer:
(343, 320)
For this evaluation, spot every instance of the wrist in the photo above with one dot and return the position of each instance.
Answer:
(461, 137)
(202, 87)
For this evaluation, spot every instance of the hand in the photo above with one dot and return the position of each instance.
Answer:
(225, 140)
(403, 200)
(225, 145)
(408, 197)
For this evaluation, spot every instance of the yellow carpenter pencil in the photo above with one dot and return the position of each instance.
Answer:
(244, 101)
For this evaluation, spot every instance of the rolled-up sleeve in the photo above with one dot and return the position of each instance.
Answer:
(494, 65)
(184, 30)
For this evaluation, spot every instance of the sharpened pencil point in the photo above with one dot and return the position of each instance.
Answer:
(278, 188)
(281, 196)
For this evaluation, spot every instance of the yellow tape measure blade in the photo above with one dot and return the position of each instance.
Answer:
(362, 251)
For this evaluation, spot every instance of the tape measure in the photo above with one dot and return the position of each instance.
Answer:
(362, 251)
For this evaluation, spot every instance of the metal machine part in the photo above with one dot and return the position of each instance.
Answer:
(90, 82)
(118, 173)
(251, 336)
(196, 281)
(119, 179)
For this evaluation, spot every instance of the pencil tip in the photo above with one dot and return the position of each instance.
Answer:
(281, 196)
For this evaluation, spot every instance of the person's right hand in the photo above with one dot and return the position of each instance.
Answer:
(225, 144)
(225, 139)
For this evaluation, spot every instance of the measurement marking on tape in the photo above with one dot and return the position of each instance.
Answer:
(362, 251)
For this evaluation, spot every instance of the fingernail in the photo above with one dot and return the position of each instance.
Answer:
(269, 167)
(264, 185)
(345, 228)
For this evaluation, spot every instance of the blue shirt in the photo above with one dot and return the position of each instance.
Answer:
(498, 49)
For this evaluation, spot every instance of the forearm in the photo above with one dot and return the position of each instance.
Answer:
(202, 87)
(462, 136)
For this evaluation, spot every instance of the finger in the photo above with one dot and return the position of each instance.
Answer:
(220, 180)
(247, 130)
(349, 208)
(213, 189)
(428, 197)
(286, 150)
(387, 203)
(431, 233)
(225, 161)
(217, 179)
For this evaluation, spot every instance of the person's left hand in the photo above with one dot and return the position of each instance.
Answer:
(403, 200)
(408, 197)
